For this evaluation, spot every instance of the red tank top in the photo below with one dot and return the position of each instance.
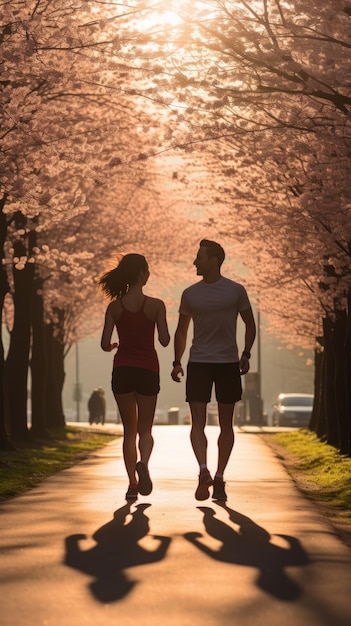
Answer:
(136, 334)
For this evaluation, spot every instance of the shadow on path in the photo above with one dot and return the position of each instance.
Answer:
(116, 549)
(251, 546)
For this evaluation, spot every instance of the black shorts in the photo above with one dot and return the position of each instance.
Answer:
(126, 379)
(225, 377)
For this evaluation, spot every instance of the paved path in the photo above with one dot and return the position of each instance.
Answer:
(74, 553)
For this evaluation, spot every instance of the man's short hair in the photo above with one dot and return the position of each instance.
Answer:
(213, 249)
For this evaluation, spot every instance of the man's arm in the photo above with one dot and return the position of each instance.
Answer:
(180, 345)
(250, 334)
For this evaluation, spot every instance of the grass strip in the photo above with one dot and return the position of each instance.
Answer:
(319, 471)
(26, 466)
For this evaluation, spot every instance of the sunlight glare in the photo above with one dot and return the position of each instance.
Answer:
(165, 13)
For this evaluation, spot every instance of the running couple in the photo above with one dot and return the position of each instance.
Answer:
(213, 304)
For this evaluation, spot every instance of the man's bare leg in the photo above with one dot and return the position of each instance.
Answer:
(197, 434)
(225, 446)
(226, 436)
(199, 443)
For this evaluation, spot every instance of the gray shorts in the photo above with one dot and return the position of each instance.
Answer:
(224, 376)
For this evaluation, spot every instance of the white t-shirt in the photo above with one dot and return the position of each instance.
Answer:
(214, 308)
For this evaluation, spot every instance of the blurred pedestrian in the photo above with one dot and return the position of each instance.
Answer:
(135, 376)
(97, 406)
(213, 304)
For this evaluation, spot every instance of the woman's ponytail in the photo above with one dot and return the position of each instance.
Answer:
(116, 282)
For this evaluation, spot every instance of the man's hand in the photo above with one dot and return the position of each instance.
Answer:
(244, 364)
(176, 372)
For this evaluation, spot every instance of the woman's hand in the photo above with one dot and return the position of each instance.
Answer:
(112, 346)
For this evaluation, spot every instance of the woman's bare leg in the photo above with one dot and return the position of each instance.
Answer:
(146, 413)
(127, 406)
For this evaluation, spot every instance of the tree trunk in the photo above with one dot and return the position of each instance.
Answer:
(318, 391)
(4, 288)
(17, 361)
(332, 426)
(347, 423)
(340, 383)
(55, 419)
(322, 426)
(39, 363)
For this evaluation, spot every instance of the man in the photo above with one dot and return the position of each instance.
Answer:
(213, 304)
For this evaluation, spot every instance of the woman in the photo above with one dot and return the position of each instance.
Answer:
(135, 377)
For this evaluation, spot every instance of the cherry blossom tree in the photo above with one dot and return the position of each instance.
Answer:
(54, 60)
(264, 88)
(216, 117)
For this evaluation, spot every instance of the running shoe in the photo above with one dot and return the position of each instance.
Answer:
(145, 484)
(219, 490)
(205, 481)
(132, 493)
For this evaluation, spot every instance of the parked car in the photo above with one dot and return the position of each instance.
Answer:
(293, 409)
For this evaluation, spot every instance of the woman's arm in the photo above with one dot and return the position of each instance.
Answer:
(180, 345)
(109, 325)
(162, 326)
